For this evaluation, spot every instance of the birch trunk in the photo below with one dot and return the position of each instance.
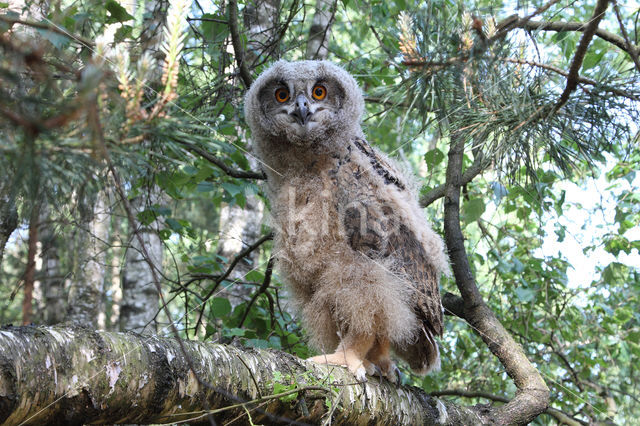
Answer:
(140, 300)
(51, 274)
(320, 31)
(77, 376)
(8, 216)
(86, 293)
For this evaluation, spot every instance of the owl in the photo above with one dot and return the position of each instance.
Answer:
(351, 242)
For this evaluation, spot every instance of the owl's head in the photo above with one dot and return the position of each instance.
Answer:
(304, 103)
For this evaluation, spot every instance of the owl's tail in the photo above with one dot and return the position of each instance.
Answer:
(423, 356)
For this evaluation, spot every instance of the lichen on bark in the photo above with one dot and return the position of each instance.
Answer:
(53, 375)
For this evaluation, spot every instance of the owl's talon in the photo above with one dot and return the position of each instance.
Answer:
(394, 376)
(360, 373)
(371, 368)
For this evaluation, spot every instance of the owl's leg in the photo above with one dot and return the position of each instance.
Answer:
(351, 354)
(380, 355)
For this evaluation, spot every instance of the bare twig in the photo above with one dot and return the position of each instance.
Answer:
(581, 51)
(242, 174)
(263, 288)
(43, 26)
(558, 26)
(631, 50)
(244, 253)
(237, 45)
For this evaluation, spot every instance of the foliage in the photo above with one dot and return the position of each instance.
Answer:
(427, 72)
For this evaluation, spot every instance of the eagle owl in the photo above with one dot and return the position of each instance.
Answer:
(351, 242)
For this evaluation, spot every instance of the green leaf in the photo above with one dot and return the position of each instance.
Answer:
(174, 225)
(220, 306)
(116, 13)
(123, 33)
(615, 273)
(592, 59)
(59, 41)
(213, 27)
(433, 158)
(525, 294)
(623, 315)
(472, 210)
(234, 332)
(205, 187)
(232, 189)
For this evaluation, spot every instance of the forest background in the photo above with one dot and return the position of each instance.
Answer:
(130, 200)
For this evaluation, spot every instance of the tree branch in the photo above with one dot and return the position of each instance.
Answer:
(244, 253)
(581, 51)
(581, 80)
(559, 26)
(630, 49)
(472, 171)
(237, 45)
(82, 376)
(453, 305)
(53, 28)
(532, 397)
(241, 174)
(562, 417)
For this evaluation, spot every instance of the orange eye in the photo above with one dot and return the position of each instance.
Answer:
(282, 95)
(319, 92)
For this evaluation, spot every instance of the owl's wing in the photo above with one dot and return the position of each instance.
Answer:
(410, 259)
(374, 230)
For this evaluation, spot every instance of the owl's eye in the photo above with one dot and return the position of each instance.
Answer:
(282, 95)
(319, 92)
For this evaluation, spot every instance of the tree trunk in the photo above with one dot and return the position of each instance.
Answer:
(78, 376)
(140, 301)
(8, 215)
(140, 298)
(51, 275)
(30, 271)
(86, 304)
(320, 31)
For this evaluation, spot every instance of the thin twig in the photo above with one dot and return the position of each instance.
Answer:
(560, 26)
(233, 264)
(265, 285)
(242, 174)
(581, 80)
(43, 26)
(581, 51)
(237, 45)
(632, 52)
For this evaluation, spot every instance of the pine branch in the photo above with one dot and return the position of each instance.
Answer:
(559, 26)
(581, 80)
(581, 51)
(532, 397)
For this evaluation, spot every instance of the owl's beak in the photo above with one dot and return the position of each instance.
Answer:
(301, 113)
